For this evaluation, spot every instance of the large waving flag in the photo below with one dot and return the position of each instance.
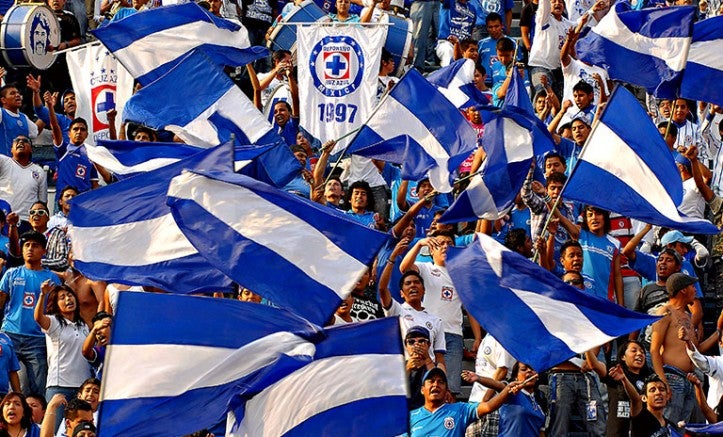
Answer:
(647, 47)
(268, 231)
(704, 70)
(219, 355)
(125, 232)
(455, 82)
(630, 170)
(439, 135)
(539, 319)
(512, 138)
(179, 29)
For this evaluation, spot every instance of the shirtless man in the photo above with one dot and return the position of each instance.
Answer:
(668, 353)
(89, 292)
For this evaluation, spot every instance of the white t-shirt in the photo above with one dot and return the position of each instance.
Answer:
(440, 297)
(490, 357)
(409, 317)
(693, 204)
(363, 169)
(550, 35)
(576, 71)
(22, 186)
(66, 365)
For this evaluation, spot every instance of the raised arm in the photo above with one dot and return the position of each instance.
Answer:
(629, 249)
(385, 296)
(636, 403)
(40, 317)
(54, 126)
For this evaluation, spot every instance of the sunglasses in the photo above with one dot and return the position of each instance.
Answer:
(573, 281)
(21, 140)
(40, 212)
(413, 341)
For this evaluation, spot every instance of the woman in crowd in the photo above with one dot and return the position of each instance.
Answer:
(17, 417)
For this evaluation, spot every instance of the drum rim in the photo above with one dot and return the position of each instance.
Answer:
(23, 26)
(282, 24)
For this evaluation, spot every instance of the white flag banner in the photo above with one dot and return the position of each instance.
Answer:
(338, 70)
(100, 83)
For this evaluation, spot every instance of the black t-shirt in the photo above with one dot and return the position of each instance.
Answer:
(651, 296)
(647, 425)
(618, 423)
(366, 307)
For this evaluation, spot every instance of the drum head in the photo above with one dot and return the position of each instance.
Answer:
(31, 29)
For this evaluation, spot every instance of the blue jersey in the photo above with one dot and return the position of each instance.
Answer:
(8, 360)
(63, 120)
(485, 7)
(488, 55)
(521, 416)
(499, 74)
(11, 127)
(22, 286)
(449, 420)
(366, 218)
(456, 19)
(598, 253)
(74, 168)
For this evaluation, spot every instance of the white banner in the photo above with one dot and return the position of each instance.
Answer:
(338, 70)
(100, 83)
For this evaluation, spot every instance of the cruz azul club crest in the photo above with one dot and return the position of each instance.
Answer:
(337, 65)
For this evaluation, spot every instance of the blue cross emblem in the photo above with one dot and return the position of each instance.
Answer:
(106, 105)
(336, 65)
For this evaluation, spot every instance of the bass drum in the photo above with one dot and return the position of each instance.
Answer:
(283, 37)
(399, 41)
(25, 34)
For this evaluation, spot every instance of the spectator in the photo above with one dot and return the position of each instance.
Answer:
(84, 429)
(360, 201)
(416, 343)
(550, 29)
(89, 392)
(456, 20)
(38, 404)
(503, 69)
(76, 411)
(22, 182)
(13, 123)
(60, 218)
(486, 8)
(647, 411)
(9, 366)
(17, 417)
(20, 290)
(365, 306)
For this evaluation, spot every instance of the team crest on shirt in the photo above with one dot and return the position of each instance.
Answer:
(36, 175)
(447, 293)
(80, 171)
(429, 325)
(610, 249)
(449, 422)
(337, 65)
(28, 300)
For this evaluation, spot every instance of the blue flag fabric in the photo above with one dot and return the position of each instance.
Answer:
(631, 171)
(179, 29)
(704, 70)
(715, 429)
(268, 231)
(655, 41)
(276, 373)
(437, 131)
(125, 233)
(513, 137)
(455, 81)
(539, 319)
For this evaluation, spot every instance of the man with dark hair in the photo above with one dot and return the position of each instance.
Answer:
(488, 46)
(76, 411)
(60, 218)
(22, 182)
(20, 289)
(503, 69)
(518, 241)
(646, 411)
(416, 344)
(13, 123)
(361, 204)
(554, 162)
(74, 167)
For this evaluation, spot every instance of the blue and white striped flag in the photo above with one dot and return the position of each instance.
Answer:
(512, 138)
(125, 232)
(539, 319)
(437, 131)
(702, 79)
(179, 29)
(626, 167)
(253, 233)
(647, 47)
(456, 83)
(206, 108)
(277, 373)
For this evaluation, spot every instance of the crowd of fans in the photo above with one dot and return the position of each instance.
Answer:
(56, 322)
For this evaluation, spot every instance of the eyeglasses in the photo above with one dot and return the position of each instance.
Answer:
(39, 212)
(573, 281)
(413, 341)
(21, 140)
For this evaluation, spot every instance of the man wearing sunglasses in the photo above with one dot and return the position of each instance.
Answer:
(22, 182)
(416, 343)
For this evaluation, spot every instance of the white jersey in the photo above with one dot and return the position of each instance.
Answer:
(490, 357)
(21, 186)
(550, 35)
(440, 297)
(409, 317)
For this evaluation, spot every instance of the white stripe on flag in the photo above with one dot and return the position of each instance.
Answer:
(518, 141)
(629, 168)
(280, 231)
(308, 391)
(481, 199)
(233, 105)
(708, 53)
(102, 156)
(143, 54)
(559, 316)
(164, 239)
(391, 115)
(191, 367)
(670, 49)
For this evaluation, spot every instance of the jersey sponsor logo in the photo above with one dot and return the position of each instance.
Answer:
(449, 422)
(337, 65)
(435, 272)
(29, 300)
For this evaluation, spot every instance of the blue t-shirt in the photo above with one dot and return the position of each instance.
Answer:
(74, 168)
(10, 128)
(499, 74)
(366, 218)
(456, 18)
(298, 186)
(520, 416)
(449, 420)
(8, 361)
(597, 255)
(63, 120)
(485, 7)
(22, 286)
(488, 55)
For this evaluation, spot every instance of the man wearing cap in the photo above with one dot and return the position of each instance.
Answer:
(416, 343)
(668, 354)
(439, 418)
(77, 411)
(20, 288)
(84, 429)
